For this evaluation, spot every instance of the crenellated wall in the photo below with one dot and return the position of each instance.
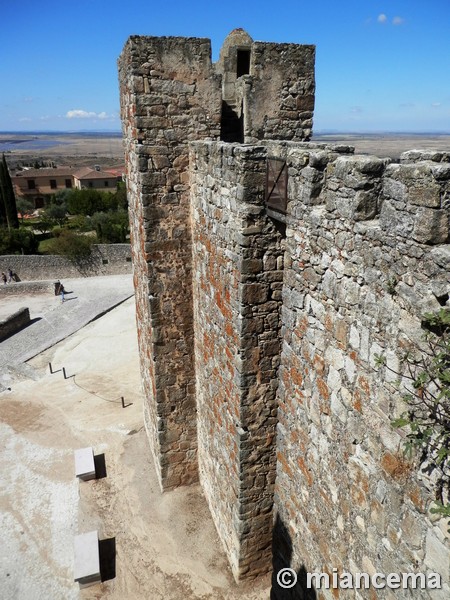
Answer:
(364, 261)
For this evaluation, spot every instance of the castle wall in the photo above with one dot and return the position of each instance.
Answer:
(365, 259)
(169, 96)
(237, 280)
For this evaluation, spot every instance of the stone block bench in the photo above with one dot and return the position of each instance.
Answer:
(87, 559)
(84, 464)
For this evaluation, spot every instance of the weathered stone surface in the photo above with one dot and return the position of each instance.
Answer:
(259, 339)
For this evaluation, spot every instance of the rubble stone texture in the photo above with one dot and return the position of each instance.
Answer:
(259, 335)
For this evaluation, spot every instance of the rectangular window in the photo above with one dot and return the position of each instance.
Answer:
(31, 184)
(68, 183)
(53, 184)
(243, 63)
(90, 184)
(106, 183)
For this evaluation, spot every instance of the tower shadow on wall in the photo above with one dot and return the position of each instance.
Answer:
(281, 559)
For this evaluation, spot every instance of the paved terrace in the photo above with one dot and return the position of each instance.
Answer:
(53, 321)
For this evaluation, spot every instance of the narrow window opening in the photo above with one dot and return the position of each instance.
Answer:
(232, 125)
(243, 62)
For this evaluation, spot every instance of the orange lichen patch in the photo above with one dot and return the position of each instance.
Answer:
(305, 471)
(301, 327)
(323, 388)
(395, 466)
(364, 384)
(295, 376)
(285, 465)
(415, 495)
(328, 323)
(357, 405)
(353, 355)
(319, 364)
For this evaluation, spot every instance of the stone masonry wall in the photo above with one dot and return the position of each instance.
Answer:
(279, 97)
(367, 255)
(106, 259)
(169, 96)
(237, 280)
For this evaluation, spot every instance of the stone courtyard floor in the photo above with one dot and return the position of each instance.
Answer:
(166, 544)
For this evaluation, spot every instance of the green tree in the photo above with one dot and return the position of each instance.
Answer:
(85, 202)
(111, 227)
(426, 379)
(55, 214)
(24, 207)
(8, 199)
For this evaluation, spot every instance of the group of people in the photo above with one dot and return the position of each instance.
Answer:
(8, 278)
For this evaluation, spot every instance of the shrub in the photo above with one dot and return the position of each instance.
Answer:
(76, 248)
(427, 398)
(17, 241)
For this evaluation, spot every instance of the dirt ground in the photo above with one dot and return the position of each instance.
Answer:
(166, 544)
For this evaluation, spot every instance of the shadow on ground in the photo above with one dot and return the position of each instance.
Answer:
(282, 559)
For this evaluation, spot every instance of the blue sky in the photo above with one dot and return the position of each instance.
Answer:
(381, 65)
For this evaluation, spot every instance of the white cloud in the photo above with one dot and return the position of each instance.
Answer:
(398, 21)
(80, 114)
(87, 114)
(25, 119)
(436, 104)
(382, 18)
(356, 110)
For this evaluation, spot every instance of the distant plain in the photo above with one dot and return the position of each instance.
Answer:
(106, 148)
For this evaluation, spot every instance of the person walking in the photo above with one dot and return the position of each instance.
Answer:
(10, 275)
(4, 278)
(62, 292)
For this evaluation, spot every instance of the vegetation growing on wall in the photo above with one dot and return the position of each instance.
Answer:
(426, 418)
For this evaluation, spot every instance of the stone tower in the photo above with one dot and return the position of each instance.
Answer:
(172, 95)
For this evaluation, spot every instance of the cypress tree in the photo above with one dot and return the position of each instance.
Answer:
(8, 199)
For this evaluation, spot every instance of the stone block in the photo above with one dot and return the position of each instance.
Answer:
(431, 226)
(84, 463)
(87, 559)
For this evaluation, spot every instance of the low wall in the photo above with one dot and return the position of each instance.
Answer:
(106, 259)
(27, 287)
(14, 323)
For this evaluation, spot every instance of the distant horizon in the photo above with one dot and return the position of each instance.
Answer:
(315, 132)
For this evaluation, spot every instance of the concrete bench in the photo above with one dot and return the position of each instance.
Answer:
(84, 464)
(87, 559)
